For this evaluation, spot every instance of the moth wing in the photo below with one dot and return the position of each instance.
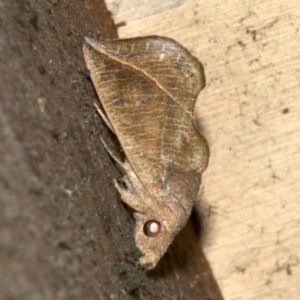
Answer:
(148, 87)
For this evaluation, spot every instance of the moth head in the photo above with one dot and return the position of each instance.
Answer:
(152, 237)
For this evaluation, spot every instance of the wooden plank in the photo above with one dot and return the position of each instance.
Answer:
(250, 114)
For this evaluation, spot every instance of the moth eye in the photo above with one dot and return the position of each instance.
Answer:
(151, 228)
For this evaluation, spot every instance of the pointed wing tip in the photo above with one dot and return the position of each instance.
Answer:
(89, 41)
(95, 44)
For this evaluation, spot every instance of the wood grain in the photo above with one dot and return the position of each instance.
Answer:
(249, 112)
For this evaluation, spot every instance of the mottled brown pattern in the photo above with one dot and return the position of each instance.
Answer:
(148, 87)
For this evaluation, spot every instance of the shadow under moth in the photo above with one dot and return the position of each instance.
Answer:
(148, 87)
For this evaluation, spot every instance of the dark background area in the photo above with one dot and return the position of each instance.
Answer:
(64, 233)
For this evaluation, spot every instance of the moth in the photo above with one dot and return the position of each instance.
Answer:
(148, 87)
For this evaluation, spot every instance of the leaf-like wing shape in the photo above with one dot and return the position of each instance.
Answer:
(148, 87)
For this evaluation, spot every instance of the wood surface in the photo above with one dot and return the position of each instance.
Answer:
(249, 113)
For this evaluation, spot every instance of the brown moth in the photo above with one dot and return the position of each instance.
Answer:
(148, 87)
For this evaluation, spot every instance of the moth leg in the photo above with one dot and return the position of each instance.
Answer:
(103, 116)
(130, 199)
(122, 165)
(130, 178)
(132, 182)
(127, 195)
(134, 186)
(136, 189)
